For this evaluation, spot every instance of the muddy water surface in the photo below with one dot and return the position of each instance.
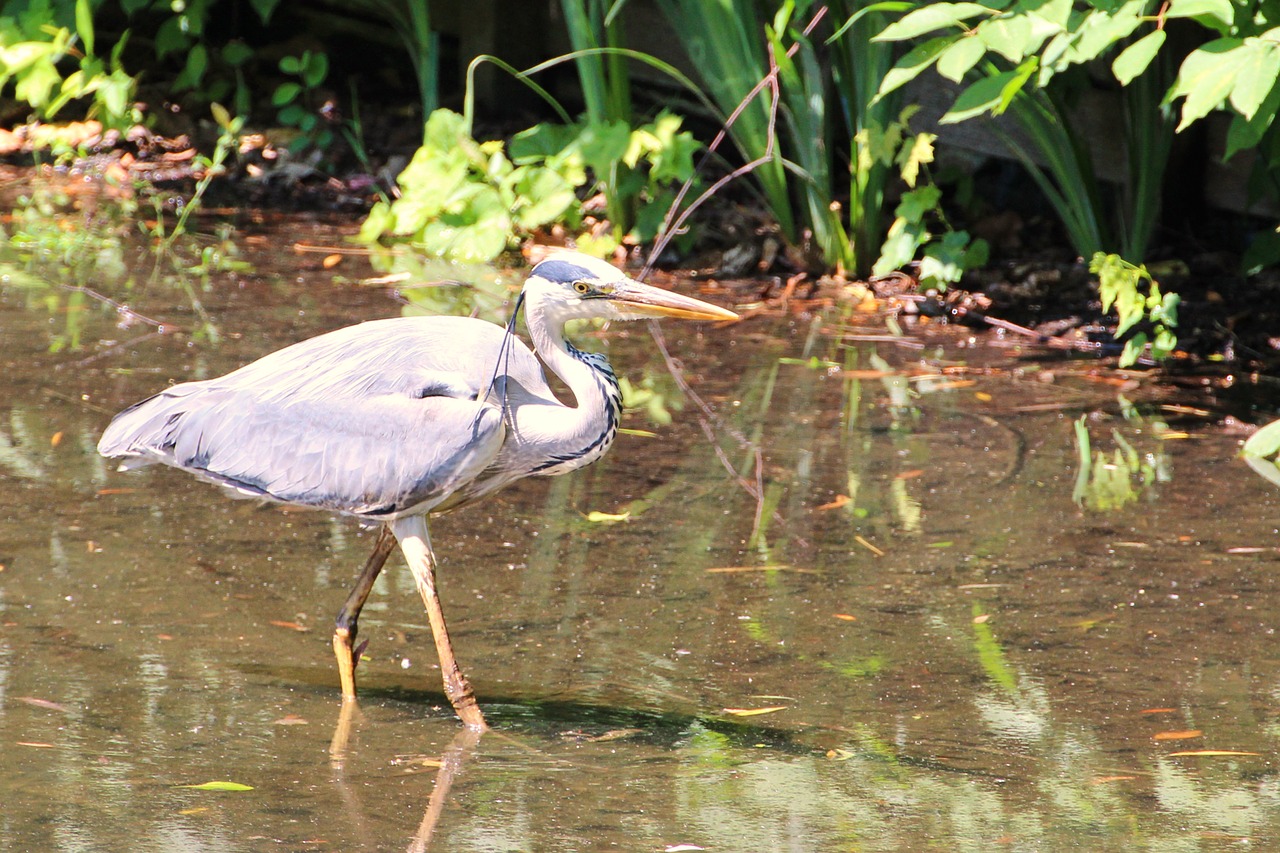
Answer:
(956, 640)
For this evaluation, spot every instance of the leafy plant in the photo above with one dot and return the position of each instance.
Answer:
(466, 200)
(635, 170)
(296, 98)
(945, 257)
(1118, 284)
(33, 50)
(1014, 56)
(211, 167)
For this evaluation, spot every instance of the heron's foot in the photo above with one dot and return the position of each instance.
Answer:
(348, 659)
(463, 700)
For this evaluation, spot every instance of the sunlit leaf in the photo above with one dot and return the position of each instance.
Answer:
(596, 517)
(960, 57)
(930, 17)
(1135, 58)
(1221, 10)
(217, 786)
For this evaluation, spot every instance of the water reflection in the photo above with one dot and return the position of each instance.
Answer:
(964, 656)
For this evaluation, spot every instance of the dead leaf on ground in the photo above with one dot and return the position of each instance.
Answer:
(1183, 735)
(46, 704)
(780, 567)
(865, 544)
(839, 501)
(754, 712)
(293, 626)
(1210, 753)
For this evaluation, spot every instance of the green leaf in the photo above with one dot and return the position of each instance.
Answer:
(983, 96)
(1053, 16)
(236, 53)
(1263, 252)
(285, 93)
(193, 71)
(916, 204)
(218, 786)
(84, 24)
(899, 247)
(1206, 78)
(1012, 37)
(1256, 77)
(933, 16)
(603, 144)
(292, 115)
(915, 61)
(539, 195)
(912, 157)
(291, 65)
(1264, 443)
(1220, 11)
(220, 115)
(316, 70)
(170, 38)
(957, 60)
(1135, 58)
(264, 8)
(37, 84)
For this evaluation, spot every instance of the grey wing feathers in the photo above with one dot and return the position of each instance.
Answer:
(378, 420)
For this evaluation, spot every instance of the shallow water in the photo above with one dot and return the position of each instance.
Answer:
(962, 655)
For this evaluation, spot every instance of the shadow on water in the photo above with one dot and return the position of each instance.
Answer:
(980, 600)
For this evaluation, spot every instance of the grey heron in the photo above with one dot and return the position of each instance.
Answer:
(393, 420)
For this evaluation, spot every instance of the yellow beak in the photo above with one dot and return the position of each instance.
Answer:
(642, 300)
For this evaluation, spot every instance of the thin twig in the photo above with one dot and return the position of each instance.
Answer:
(671, 226)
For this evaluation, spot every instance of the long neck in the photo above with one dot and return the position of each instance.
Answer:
(575, 435)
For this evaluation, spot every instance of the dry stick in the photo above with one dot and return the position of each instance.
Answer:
(121, 309)
(672, 225)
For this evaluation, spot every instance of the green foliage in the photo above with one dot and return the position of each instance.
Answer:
(1041, 40)
(1015, 56)
(35, 52)
(637, 170)
(1118, 284)
(471, 200)
(466, 200)
(297, 98)
(946, 254)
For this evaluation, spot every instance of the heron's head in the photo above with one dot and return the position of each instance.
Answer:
(576, 286)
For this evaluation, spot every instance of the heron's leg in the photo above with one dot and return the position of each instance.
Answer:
(416, 545)
(346, 627)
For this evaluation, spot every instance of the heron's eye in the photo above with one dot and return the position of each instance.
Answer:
(582, 287)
